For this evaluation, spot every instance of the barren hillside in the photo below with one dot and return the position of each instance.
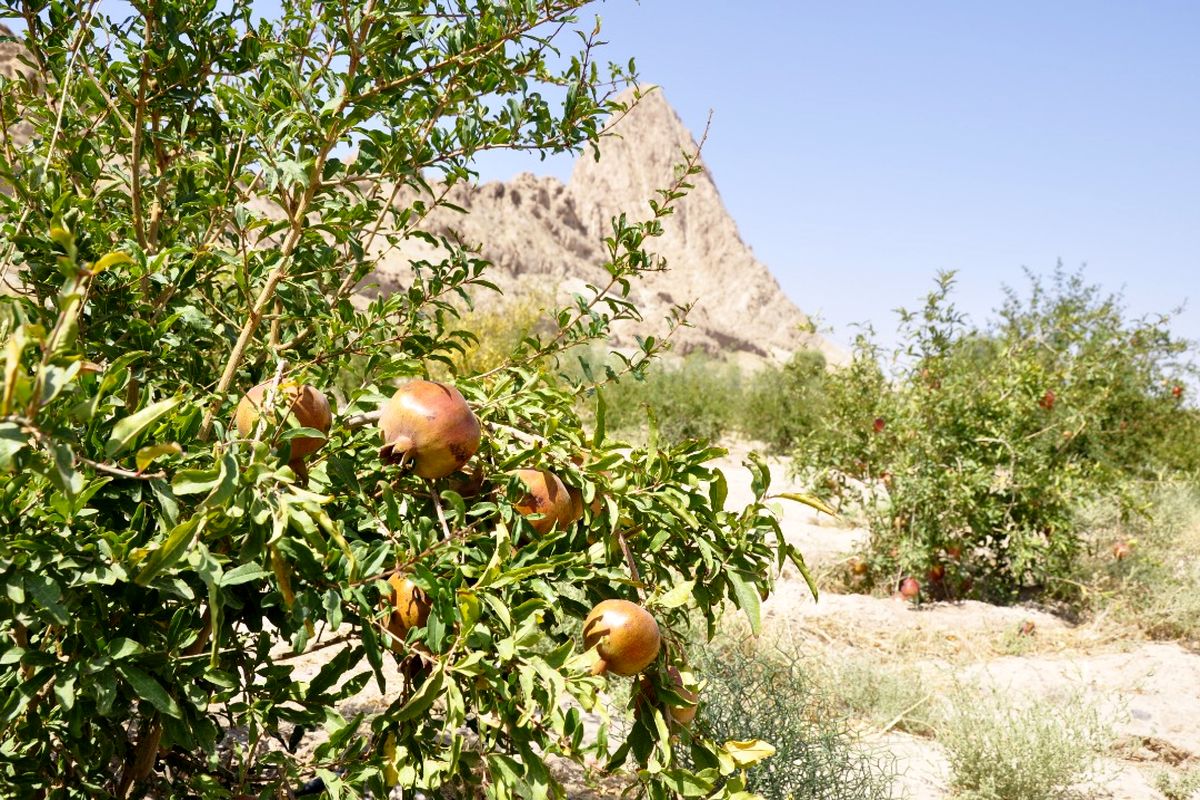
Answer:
(543, 234)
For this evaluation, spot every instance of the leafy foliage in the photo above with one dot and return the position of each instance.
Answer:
(186, 221)
(972, 451)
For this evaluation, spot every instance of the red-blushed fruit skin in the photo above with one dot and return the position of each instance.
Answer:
(936, 573)
(1121, 550)
(430, 426)
(309, 406)
(879, 424)
(546, 496)
(910, 588)
(410, 608)
(624, 634)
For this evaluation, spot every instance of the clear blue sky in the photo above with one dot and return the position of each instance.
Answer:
(862, 146)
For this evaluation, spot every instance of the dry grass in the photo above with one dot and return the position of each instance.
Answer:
(1156, 587)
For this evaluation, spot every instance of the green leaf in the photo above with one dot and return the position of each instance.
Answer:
(110, 260)
(171, 550)
(147, 687)
(718, 490)
(12, 441)
(601, 412)
(677, 596)
(243, 574)
(195, 481)
(809, 500)
(797, 559)
(746, 596)
(125, 431)
(423, 699)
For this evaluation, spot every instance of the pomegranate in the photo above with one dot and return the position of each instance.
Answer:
(1121, 550)
(305, 404)
(936, 573)
(910, 587)
(1047, 401)
(429, 426)
(546, 496)
(624, 634)
(879, 424)
(410, 607)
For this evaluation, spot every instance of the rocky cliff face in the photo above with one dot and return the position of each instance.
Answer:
(543, 234)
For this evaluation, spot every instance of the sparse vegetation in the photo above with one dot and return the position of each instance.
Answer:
(1001, 748)
(882, 696)
(1156, 587)
(1182, 786)
(759, 690)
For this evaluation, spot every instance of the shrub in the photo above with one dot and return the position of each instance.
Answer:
(692, 398)
(888, 697)
(756, 692)
(1001, 749)
(1185, 786)
(972, 450)
(781, 405)
(182, 224)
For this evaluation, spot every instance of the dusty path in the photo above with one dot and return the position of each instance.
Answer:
(1151, 691)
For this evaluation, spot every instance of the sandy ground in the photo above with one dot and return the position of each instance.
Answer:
(1150, 691)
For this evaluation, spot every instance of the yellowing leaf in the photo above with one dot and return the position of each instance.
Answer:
(749, 752)
(109, 260)
(147, 455)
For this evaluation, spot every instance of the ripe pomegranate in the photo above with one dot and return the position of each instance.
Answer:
(624, 634)
(410, 607)
(430, 426)
(879, 424)
(1177, 391)
(1047, 401)
(548, 497)
(1121, 550)
(307, 405)
(910, 587)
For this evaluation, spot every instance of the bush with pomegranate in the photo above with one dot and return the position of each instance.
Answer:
(218, 460)
(970, 449)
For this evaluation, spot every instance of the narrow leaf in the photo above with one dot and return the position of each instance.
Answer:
(125, 431)
(808, 500)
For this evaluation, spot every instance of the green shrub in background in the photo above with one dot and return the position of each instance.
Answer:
(756, 691)
(781, 405)
(700, 397)
(696, 397)
(969, 450)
